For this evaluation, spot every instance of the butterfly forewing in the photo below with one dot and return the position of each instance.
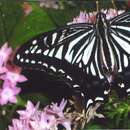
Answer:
(73, 43)
(120, 38)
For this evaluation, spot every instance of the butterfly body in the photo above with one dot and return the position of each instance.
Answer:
(91, 58)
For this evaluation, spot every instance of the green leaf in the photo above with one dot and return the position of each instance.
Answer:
(35, 97)
(35, 23)
(10, 14)
(92, 126)
(3, 123)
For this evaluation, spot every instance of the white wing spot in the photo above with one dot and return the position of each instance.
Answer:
(21, 59)
(90, 101)
(27, 51)
(68, 77)
(39, 62)
(18, 56)
(128, 90)
(76, 86)
(39, 51)
(34, 42)
(46, 52)
(106, 92)
(82, 94)
(27, 60)
(44, 64)
(53, 68)
(80, 65)
(33, 61)
(61, 71)
(99, 99)
(121, 85)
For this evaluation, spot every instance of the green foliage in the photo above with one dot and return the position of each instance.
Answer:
(92, 126)
(10, 15)
(35, 97)
(118, 111)
(33, 24)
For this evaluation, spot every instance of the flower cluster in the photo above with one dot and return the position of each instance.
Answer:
(91, 17)
(9, 77)
(47, 119)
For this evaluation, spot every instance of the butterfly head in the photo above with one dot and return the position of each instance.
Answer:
(100, 15)
(101, 18)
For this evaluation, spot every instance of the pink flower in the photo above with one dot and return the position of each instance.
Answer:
(91, 16)
(10, 75)
(44, 122)
(8, 93)
(5, 52)
(19, 125)
(30, 111)
(3, 70)
(34, 119)
(84, 18)
(13, 77)
(58, 110)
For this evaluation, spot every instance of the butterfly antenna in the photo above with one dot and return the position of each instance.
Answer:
(97, 5)
(114, 5)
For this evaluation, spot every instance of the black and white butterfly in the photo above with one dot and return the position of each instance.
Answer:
(92, 58)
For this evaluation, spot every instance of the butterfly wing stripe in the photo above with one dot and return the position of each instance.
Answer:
(74, 42)
(95, 66)
(82, 48)
(97, 60)
(62, 38)
(116, 53)
(54, 35)
(120, 59)
(59, 52)
(92, 69)
(126, 62)
(111, 50)
(123, 34)
(51, 52)
(121, 28)
(121, 43)
(88, 52)
(86, 42)
(70, 42)
(120, 18)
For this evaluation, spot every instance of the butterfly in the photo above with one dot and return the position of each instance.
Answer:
(92, 58)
